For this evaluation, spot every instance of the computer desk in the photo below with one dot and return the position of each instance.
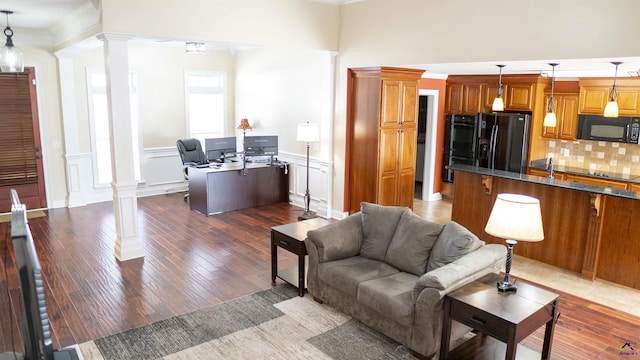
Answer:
(223, 187)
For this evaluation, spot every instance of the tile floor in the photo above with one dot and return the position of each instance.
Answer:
(616, 296)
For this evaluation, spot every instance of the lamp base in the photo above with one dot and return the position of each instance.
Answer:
(307, 215)
(506, 285)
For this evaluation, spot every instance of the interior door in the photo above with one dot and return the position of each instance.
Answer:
(20, 150)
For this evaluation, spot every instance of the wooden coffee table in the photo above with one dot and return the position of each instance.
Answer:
(507, 317)
(291, 238)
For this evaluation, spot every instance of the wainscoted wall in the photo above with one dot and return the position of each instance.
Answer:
(597, 156)
(162, 173)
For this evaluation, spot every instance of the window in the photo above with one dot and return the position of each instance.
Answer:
(98, 111)
(205, 99)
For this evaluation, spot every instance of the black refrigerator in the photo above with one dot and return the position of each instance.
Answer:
(503, 141)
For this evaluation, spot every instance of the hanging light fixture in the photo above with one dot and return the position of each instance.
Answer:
(611, 110)
(10, 56)
(550, 117)
(498, 103)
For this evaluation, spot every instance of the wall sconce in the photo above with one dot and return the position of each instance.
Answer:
(550, 117)
(498, 102)
(11, 59)
(611, 110)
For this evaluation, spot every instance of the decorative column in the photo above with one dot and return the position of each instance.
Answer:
(73, 159)
(124, 185)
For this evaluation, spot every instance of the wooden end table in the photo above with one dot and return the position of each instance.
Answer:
(291, 238)
(505, 316)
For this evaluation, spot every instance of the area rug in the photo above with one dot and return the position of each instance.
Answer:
(271, 324)
(6, 217)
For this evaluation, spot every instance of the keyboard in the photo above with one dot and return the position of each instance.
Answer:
(203, 166)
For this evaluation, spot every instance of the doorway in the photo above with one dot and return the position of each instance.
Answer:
(426, 147)
(21, 165)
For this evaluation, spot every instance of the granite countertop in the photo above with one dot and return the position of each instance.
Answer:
(541, 164)
(573, 185)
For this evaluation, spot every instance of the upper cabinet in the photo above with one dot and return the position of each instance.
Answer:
(471, 94)
(594, 95)
(464, 99)
(566, 108)
(519, 95)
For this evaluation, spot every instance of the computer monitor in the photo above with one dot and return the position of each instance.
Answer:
(218, 149)
(34, 319)
(261, 145)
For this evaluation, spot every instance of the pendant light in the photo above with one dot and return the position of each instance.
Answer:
(611, 110)
(550, 117)
(10, 56)
(498, 103)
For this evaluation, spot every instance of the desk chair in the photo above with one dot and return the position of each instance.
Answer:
(191, 154)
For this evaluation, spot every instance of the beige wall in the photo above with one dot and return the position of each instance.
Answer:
(597, 156)
(288, 23)
(280, 88)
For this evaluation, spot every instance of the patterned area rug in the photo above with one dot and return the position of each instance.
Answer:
(272, 324)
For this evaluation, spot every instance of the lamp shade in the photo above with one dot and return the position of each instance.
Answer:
(550, 119)
(516, 217)
(308, 133)
(244, 125)
(611, 110)
(498, 104)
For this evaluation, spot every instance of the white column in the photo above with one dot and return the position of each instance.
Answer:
(125, 202)
(70, 125)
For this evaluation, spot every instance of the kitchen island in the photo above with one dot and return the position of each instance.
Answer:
(591, 230)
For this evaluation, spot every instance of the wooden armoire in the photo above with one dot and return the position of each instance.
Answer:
(381, 136)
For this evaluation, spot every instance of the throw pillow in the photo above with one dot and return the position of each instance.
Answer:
(378, 225)
(454, 242)
(412, 243)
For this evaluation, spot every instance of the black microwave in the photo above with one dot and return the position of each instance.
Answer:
(600, 128)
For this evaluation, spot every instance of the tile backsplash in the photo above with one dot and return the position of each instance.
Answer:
(596, 156)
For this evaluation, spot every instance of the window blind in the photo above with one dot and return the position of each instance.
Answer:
(18, 164)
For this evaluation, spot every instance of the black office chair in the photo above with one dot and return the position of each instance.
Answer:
(191, 154)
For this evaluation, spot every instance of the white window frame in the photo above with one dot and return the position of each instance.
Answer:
(205, 90)
(135, 113)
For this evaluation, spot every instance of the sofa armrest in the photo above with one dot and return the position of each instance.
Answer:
(487, 259)
(337, 240)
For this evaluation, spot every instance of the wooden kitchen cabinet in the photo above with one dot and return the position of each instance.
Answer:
(381, 136)
(463, 99)
(566, 107)
(520, 96)
(597, 181)
(594, 95)
(634, 187)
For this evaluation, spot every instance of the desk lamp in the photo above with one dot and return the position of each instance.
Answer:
(244, 126)
(514, 217)
(308, 133)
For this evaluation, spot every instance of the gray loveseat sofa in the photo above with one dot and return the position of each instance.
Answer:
(390, 269)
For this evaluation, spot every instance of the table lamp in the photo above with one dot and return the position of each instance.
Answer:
(308, 133)
(514, 217)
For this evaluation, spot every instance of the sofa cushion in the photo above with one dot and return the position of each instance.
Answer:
(454, 242)
(390, 296)
(346, 274)
(378, 225)
(412, 242)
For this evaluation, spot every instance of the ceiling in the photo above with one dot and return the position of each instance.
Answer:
(43, 15)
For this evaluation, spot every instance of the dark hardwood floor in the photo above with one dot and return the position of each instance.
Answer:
(192, 261)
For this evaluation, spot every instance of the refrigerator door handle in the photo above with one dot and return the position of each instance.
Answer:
(492, 147)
